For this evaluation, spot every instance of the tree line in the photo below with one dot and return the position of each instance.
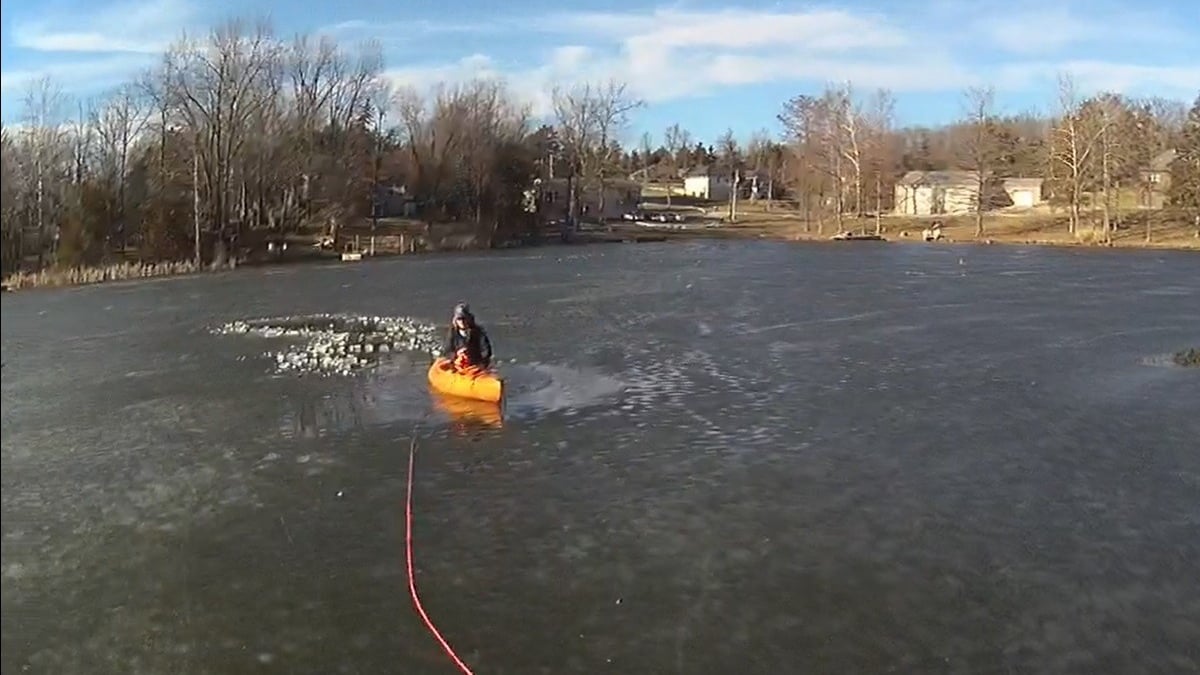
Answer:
(238, 132)
(1091, 149)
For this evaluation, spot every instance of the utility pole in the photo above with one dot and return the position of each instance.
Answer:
(376, 201)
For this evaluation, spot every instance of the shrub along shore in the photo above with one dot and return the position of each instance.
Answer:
(55, 277)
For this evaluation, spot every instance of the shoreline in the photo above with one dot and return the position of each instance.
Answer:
(754, 232)
(1049, 243)
(57, 278)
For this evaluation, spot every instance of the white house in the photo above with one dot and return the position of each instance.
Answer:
(706, 182)
(620, 197)
(927, 193)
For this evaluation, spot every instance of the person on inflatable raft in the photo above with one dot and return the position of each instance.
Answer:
(467, 344)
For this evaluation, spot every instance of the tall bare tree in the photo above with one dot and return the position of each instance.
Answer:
(44, 105)
(676, 141)
(590, 118)
(806, 120)
(879, 116)
(1075, 139)
(980, 153)
(848, 130)
(729, 154)
(575, 117)
(119, 122)
(216, 88)
(646, 154)
(758, 158)
(1111, 117)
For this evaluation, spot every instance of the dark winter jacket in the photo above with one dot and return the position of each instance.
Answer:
(476, 342)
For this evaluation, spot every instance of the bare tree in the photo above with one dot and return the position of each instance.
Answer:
(758, 156)
(44, 103)
(612, 106)
(646, 150)
(879, 121)
(590, 118)
(776, 163)
(216, 89)
(381, 104)
(848, 127)
(979, 145)
(575, 117)
(256, 134)
(676, 140)
(315, 71)
(471, 152)
(815, 152)
(1074, 143)
(119, 121)
(730, 157)
(82, 135)
(833, 113)
(1111, 117)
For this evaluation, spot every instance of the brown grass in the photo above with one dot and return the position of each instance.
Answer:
(78, 276)
(1168, 230)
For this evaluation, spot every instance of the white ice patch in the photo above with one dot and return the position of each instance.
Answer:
(338, 344)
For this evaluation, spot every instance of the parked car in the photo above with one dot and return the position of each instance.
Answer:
(666, 217)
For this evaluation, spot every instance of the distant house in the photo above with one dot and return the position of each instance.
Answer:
(930, 193)
(1024, 193)
(1156, 180)
(707, 182)
(621, 196)
(933, 193)
(756, 185)
(393, 201)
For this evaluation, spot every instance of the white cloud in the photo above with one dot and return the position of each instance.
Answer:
(676, 53)
(1098, 75)
(94, 73)
(145, 27)
(669, 54)
(1032, 31)
(940, 46)
(1042, 28)
(408, 29)
(421, 77)
(533, 85)
(737, 29)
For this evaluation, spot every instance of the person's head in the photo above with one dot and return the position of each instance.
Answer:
(463, 319)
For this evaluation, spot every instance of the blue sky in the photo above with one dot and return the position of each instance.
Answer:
(706, 65)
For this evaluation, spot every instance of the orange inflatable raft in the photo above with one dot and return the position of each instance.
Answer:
(472, 383)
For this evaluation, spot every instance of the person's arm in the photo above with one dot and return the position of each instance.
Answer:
(448, 344)
(485, 348)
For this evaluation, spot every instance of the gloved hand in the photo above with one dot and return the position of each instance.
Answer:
(460, 359)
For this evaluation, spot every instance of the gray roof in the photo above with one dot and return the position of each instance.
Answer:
(942, 178)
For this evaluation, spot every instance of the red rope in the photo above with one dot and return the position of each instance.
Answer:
(412, 581)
